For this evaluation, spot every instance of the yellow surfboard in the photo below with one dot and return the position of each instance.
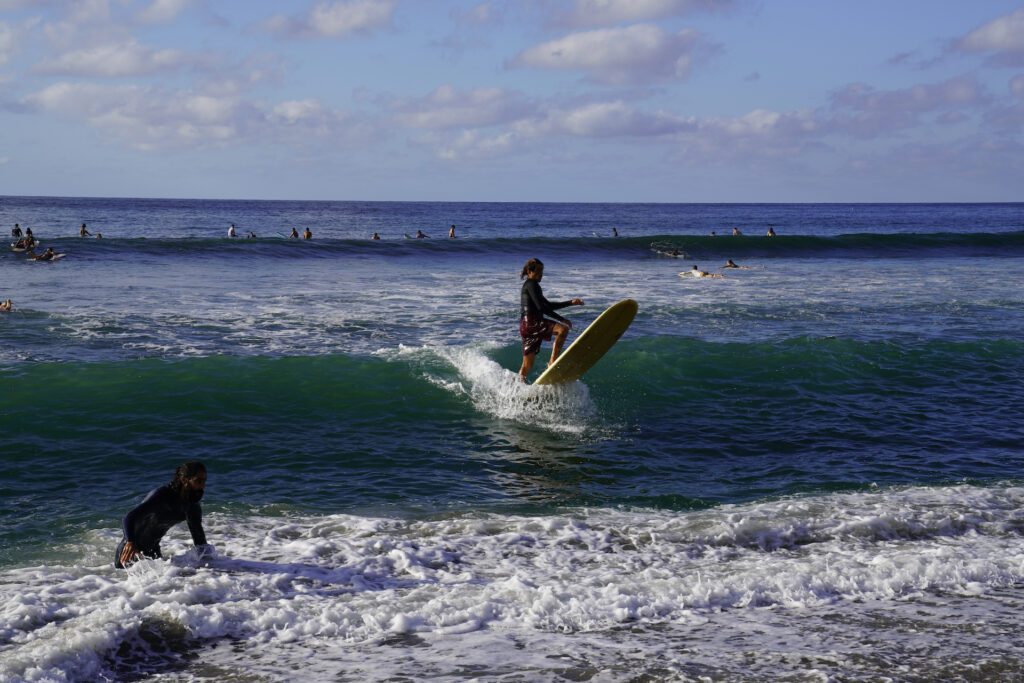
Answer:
(588, 348)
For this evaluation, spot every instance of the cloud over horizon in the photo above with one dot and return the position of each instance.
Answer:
(640, 53)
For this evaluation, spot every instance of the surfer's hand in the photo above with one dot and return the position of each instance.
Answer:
(129, 553)
(577, 302)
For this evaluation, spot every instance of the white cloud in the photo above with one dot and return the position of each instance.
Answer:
(467, 145)
(335, 19)
(1002, 38)
(609, 12)
(8, 42)
(639, 53)
(447, 107)
(161, 11)
(1003, 34)
(116, 60)
(151, 118)
(865, 111)
(603, 120)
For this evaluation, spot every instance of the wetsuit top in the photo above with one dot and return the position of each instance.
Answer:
(532, 302)
(15, 232)
(149, 521)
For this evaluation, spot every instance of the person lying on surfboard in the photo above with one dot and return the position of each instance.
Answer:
(533, 326)
(47, 255)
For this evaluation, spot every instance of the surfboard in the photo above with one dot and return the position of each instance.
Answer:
(588, 348)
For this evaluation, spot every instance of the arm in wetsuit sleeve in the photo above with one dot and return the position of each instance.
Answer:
(541, 304)
(130, 521)
(194, 517)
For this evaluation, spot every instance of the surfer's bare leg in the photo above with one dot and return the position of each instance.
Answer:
(527, 366)
(560, 332)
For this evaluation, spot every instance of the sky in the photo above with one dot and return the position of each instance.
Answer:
(514, 100)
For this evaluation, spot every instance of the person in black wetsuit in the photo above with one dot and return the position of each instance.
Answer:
(533, 326)
(164, 507)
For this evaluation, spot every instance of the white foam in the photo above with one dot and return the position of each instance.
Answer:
(497, 391)
(338, 587)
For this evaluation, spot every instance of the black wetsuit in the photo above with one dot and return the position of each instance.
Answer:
(15, 232)
(532, 303)
(149, 521)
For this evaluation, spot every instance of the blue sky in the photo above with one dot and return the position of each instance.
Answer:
(528, 100)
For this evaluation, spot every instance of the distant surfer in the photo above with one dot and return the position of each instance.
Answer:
(82, 232)
(451, 233)
(375, 236)
(420, 235)
(307, 235)
(251, 235)
(294, 233)
(736, 231)
(730, 264)
(533, 326)
(6, 306)
(697, 272)
(164, 507)
(231, 231)
(771, 232)
(615, 233)
(16, 231)
(47, 255)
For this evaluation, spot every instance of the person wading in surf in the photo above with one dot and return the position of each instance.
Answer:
(163, 508)
(533, 326)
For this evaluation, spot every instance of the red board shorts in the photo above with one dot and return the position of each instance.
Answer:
(534, 330)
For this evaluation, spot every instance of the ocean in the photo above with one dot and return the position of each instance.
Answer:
(809, 469)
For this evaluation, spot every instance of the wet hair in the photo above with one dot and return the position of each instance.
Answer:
(186, 470)
(531, 266)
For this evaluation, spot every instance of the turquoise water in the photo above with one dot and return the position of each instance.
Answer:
(836, 429)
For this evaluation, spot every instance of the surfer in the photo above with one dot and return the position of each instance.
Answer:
(6, 306)
(164, 507)
(533, 326)
(294, 233)
(83, 232)
(451, 233)
(251, 235)
(375, 236)
(736, 231)
(16, 231)
(697, 272)
(307, 235)
(231, 230)
(420, 235)
(730, 264)
(771, 232)
(47, 255)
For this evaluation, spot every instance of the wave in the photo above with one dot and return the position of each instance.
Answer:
(860, 245)
(843, 568)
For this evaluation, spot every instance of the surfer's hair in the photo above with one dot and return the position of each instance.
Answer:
(532, 266)
(186, 470)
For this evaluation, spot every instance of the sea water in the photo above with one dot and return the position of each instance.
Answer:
(807, 470)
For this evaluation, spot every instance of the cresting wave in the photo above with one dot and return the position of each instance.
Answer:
(858, 245)
(298, 589)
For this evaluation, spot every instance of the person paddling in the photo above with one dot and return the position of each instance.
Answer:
(533, 326)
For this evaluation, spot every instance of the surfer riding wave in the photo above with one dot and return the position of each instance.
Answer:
(534, 328)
